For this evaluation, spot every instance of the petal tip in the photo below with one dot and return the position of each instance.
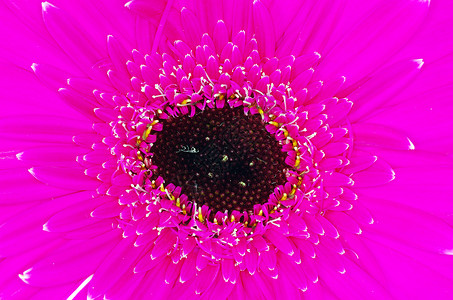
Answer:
(411, 145)
(45, 227)
(128, 4)
(32, 171)
(34, 66)
(447, 252)
(419, 62)
(46, 5)
(19, 155)
(25, 276)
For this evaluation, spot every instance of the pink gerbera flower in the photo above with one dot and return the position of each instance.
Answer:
(226, 150)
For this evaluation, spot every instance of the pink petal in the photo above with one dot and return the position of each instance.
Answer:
(343, 221)
(359, 161)
(66, 178)
(293, 272)
(378, 173)
(66, 31)
(381, 136)
(378, 36)
(33, 129)
(53, 156)
(15, 185)
(121, 259)
(188, 269)
(280, 241)
(206, 278)
(36, 215)
(264, 29)
(76, 215)
(146, 8)
(416, 228)
(73, 261)
(192, 27)
(382, 88)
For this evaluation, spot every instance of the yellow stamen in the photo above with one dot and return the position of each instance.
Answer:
(147, 132)
(297, 163)
(284, 197)
(200, 215)
(285, 133)
(139, 155)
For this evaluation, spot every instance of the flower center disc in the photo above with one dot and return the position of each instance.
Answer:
(221, 158)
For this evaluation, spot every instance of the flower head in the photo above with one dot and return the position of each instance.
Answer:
(226, 150)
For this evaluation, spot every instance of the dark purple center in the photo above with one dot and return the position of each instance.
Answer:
(220, 157)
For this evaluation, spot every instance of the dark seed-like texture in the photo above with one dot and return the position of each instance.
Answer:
(221, 158)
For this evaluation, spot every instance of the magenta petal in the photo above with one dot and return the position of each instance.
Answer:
(41, 129)
(107, 210)
(28, 224)
(153, 285)
(75, 216)
(65, 30)
(328, 227)
(251, 260)
(146, 8)
(401, 269)
(82, 231)
(344, 222)
(295, 272)
(378, 173)
(50, 76)
(357, 94)
(53, 156)
(283, 14)
(130, 283)
(18, 262)
(54, 293)
(118, 55)
(73, 261)
(219, 290)
(21, 180)
(212, 11)
(423, 109)
(434, 39)
(34, 236)
(383, 86)
(264, 29)
(373, 40)
(227, 269)
(188, 269)
(68, 178)
(429, 193)
(280, 241)
(206, 278)
(416, 228)
(119, 261)
(163, 243)
(381, 136)
(78, 102)
(220, 36)
(359, 160)
(17, 289)
(192, 27)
